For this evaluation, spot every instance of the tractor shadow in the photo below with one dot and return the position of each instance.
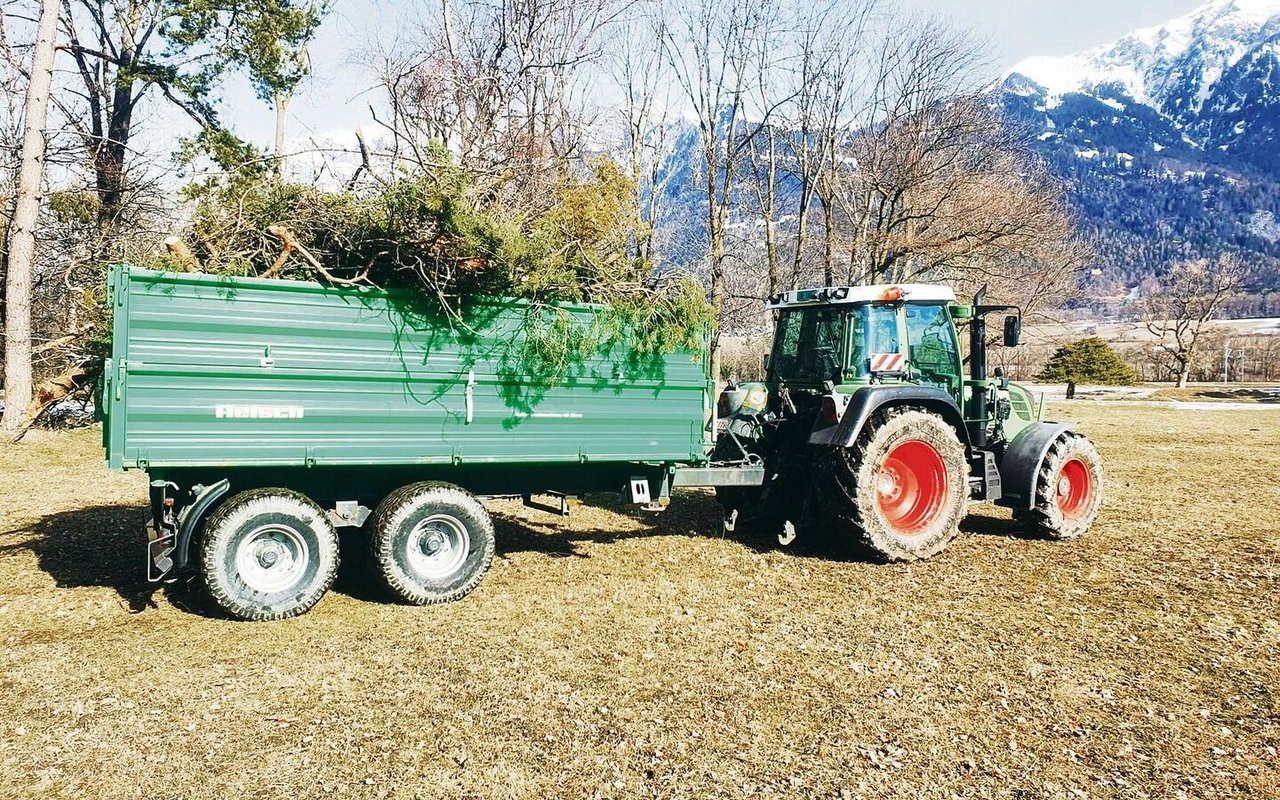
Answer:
(989, 520)
(697, 515)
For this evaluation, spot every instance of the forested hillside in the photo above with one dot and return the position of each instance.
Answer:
(1167, 142)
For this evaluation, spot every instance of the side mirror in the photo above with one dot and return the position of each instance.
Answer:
(1012, 330)
(764, 363)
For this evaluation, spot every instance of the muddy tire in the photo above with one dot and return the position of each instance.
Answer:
(268, 554)
(1068, 490)
(431, 542)
(901, 490)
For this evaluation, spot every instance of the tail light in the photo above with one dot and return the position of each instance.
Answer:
(829, 411)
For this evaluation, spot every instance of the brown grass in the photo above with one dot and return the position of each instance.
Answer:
(618, 655)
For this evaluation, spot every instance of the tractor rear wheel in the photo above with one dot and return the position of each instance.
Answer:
(903, 487)
(1068, 490)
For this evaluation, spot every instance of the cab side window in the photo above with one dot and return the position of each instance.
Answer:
(932, 350)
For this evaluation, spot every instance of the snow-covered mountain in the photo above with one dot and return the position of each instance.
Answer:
(1173, 66)
(1170, 136)
(1212, 78)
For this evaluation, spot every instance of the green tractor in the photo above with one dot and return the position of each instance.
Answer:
(868, 425)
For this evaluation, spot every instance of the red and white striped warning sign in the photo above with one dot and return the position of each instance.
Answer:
(887, 362)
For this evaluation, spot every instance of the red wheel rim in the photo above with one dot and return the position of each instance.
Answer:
(911, 487)
(1075, 489)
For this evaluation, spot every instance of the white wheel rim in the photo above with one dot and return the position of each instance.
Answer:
(272, 558)
(437, 546)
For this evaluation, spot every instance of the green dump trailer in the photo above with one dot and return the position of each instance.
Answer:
(268, 412)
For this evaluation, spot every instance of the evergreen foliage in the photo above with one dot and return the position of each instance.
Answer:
(1088, 361)
(438, 235)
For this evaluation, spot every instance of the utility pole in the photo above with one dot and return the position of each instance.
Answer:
(26, 210)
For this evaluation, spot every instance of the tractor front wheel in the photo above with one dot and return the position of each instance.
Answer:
(903, 487)
(1068, 490)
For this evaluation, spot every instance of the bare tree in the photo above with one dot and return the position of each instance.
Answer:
(837, 87)
(1181, 312)
(709, 47)
(498, 85)
(642, 75)
(22, 231)
(829, 43)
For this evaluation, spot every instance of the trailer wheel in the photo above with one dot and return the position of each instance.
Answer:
(1068, 490)
(268, 554)
(432, 542)
(903, 487)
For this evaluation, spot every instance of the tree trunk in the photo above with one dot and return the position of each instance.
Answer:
(109, 161)
(282, 111)
(1184, 369)
(828, 242)
(22, 244)
(802, 219)
(716, 232)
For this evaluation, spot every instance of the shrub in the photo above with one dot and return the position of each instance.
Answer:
(1088, 361)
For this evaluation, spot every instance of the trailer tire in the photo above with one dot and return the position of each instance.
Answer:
(902, 489)
(268, 554)
(1068, 490)
(431, 542)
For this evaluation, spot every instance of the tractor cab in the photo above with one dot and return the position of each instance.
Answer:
(831, 342)
(857, 335)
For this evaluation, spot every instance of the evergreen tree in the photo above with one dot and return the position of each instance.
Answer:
(1090, 361)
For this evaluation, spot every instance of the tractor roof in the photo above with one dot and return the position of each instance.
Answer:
(879, 293)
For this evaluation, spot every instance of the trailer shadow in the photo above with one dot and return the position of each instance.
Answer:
(95, 546)
(693, 516)
(102, 546)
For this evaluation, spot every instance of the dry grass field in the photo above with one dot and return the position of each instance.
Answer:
(621, 655)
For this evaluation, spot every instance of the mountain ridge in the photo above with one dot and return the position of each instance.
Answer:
(1167, 139)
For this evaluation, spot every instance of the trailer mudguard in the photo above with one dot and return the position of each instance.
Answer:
(191, 516)
(869, 399)
(1022, 459)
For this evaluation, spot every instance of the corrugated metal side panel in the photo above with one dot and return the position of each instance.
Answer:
(350, 377)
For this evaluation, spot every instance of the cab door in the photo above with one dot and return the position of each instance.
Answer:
(933, 352)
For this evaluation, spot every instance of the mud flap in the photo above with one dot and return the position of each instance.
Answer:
(1021, 462)
(160, 544)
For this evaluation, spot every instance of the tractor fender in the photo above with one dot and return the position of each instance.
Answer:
(868, 400)
(1022, 459)
(190, 518)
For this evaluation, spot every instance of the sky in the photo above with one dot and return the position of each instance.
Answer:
(338, 96)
